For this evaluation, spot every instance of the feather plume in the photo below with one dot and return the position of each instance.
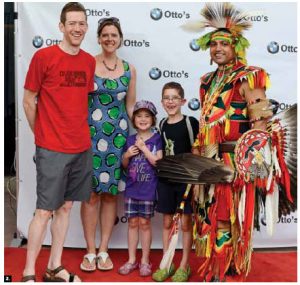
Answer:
(241, 208)
(221, 16)
(271, 209)
(169, 254)
(193, 26)
(224, 15)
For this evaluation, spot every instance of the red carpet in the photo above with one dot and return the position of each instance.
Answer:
(266, 266)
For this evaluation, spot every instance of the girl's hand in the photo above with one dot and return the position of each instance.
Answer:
(140, 143)
(132, 151)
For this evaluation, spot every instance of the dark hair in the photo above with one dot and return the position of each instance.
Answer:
(173, 85)
(112, 21)
(70, 7)
(136, 112)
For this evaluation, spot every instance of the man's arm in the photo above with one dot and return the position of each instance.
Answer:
(30, 108)
(251, 95)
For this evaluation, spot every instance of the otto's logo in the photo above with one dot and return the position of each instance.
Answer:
(155, 73)
(156, 14)
(274, 47)
(136, 43)
(37, 41)
(194, 45)
(258, 18)
(194, 104)
(98, 13)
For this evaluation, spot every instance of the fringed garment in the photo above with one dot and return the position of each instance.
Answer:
(224, 118)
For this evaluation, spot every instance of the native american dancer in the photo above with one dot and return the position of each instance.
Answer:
(235, 129)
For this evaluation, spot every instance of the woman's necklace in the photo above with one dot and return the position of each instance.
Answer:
(108, 68)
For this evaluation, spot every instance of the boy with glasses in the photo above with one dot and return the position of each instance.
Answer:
(178, 133)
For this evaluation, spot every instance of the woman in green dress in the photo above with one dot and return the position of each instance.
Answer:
(110, 106)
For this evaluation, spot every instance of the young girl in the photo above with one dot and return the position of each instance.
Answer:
(142, 150)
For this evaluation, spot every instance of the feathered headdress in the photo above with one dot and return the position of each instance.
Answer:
(227, 21)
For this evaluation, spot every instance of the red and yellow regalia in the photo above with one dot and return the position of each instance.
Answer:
(227, 134)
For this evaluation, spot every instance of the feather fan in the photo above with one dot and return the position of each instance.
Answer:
(193, 169)
(288, 120)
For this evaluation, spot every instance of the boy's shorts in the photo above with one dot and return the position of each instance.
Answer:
(169, 197)
(62, 177)
(139, 208)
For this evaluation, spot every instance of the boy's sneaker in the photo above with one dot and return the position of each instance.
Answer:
(182, 275)
(161, 275)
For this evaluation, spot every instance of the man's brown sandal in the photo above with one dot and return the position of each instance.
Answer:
(28, 278)
(50, 275)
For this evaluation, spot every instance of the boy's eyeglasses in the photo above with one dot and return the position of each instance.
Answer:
(109, 19)
(175, 99)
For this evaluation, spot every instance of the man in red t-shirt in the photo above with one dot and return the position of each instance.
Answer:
(55, 103)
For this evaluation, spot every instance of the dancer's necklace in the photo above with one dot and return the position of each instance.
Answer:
(218, 81)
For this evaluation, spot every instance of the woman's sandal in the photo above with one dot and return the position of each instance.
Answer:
(91, 258)
(50, 275)
(27, 278)
(103, 255)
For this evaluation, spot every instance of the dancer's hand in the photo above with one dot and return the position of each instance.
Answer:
(196, 192)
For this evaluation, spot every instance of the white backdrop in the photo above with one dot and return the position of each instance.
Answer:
(154, 40)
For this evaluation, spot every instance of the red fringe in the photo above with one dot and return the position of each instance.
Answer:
(260, 79)
(217, 262)
(249, 212)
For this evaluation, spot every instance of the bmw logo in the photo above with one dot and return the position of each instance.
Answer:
(155, 73)
(273, 47)
(194, 45)
(156, 14)
(37, 41)
(194, 104)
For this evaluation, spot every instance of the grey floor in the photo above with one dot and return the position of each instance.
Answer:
(10, 208)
